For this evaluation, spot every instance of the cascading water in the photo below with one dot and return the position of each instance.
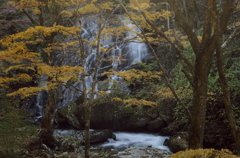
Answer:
(38, 110)
(130, 52)
(136, 50)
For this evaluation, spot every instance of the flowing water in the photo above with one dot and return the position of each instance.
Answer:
(126, 140)
(131, 52)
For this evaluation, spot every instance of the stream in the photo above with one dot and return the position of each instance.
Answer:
(127, 139)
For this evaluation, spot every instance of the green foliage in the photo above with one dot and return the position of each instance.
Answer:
(204, 153)
(152, 66)
(15, 130)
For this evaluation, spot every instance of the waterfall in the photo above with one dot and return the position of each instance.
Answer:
(136, 50)
(38, 110)
(131, 52)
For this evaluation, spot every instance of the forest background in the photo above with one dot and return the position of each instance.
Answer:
(199, 66)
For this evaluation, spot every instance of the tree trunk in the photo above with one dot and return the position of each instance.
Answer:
(197, 124)
(87, 113)
(227, 99)
(202, 68)
(46, 127)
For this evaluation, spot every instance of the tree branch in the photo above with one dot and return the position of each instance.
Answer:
(160, 66)
(178, 50)
(187, 25)
(30, 17)
(231, 37)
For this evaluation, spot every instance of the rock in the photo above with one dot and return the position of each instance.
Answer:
(148, 58)
(67, 144)
(173, 128)
(155, 124)
(66, 117)
(112, 152)
(177, 142)
(63, 155)
(100, 136)
(96, 136)
(138, 152)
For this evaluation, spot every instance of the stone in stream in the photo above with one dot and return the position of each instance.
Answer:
(96, 136)
(139, 152)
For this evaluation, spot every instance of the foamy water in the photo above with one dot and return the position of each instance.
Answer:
(126, 140)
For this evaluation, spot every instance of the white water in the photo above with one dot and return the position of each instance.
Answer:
(126, 140)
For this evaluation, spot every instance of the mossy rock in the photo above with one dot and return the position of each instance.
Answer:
(204, 153)
(66, 116)
(67, 144)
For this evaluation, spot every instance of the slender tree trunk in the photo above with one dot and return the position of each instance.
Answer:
(46, 127)
(227, 99)
(87, 109)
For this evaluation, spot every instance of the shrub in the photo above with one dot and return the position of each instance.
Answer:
(15, 130)
(204, 153)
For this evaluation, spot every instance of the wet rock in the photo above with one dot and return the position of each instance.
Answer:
(66, 117)
(138, 152)
(112, 152)
(148, 58)
(178, 142)
(96, 136)
(99, 136)
(155, 124)
(63, 155)
(68, 144)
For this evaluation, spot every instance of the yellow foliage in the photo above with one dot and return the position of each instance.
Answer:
(89, 8)
(66, 13)
(117, 99)
(139, 4)
(204, 153)
(182, 92)
(134, 74)
(102, 93)
(61, 74)
(164, 93)
(4, 81)
(26, 92)
(106, 6)
(136, 102)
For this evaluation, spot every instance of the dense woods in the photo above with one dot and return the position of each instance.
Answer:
(186, 74)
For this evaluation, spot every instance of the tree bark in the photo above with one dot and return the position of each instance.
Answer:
(226, 94)
(87, 113)
(197, 125)
(46, 127)
(227, 102)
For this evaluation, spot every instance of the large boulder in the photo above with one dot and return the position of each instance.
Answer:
(107, 114)
(66, 117)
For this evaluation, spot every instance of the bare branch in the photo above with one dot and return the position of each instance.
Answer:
(227, 12)
(30, 17)
(187, 25)
(231, 37)
(178, 50)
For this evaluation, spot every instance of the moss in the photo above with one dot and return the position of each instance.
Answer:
(68, 144)
(204, 153)
(67, 113)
